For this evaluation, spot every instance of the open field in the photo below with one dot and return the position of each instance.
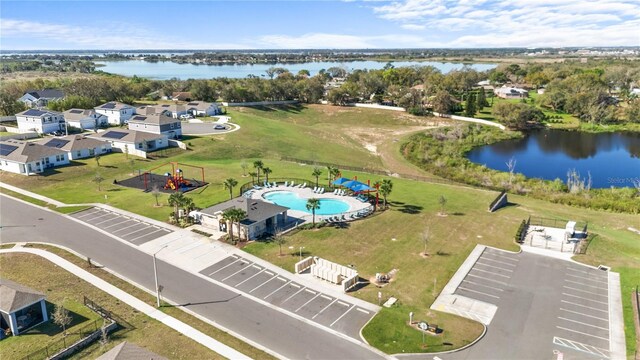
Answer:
(339, 135)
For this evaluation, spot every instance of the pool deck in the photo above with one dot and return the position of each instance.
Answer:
(355, 205)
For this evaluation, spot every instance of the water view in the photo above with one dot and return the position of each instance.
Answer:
(164, 70)
(612, 159)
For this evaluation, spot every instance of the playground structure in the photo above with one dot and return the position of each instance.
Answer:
(170, 181)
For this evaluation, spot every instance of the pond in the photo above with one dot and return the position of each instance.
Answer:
(612, 159)
(164, 70)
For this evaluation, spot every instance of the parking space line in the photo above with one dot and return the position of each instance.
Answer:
(584, 306)
(249, 278)
(492, 273)
(294, 294)
(479, 292)
(99, 216)
(484, 278)
(133, 232)
(584, 272)
(259, 286)
(126, 227)
(487, 286)
(493, 266)
(141, 236)
(309, 291)
(500, 256)
(583, 314)
(116, 224)
(225, 266)
(581, 297)
(579, 283)
(269, 273)
(498, 261)
(585, 324)
(584, 291)
(588, 279)
(93, 211)
(104, 221)
(248, 265)
(276, 290)
(343, 314)
(310, 300)
(324, 308)
(343, 303)
(363, 311)
(574, 345)
(295, 285)
(326, 297)
(582, 333)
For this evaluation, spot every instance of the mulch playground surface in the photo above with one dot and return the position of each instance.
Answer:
(137, 182)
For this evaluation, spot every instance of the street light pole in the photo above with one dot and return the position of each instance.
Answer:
(301, 247)
(155, 275)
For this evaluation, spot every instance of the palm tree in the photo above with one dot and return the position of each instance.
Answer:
(329, 172)
(177, 200)
(234, 215)
(253, 175)
(385, 189)
(313, 204)
(258, 165)
(266, 171)
(229, 184)
(316, 172)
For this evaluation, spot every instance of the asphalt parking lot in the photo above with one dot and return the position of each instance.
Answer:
(547, 308)
(278, 290)
(125, 227)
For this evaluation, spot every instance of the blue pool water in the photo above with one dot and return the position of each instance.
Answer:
(294, 202)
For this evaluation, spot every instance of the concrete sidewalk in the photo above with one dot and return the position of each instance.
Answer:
(137, 304)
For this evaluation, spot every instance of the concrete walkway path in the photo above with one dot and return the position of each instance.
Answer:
(137, 304)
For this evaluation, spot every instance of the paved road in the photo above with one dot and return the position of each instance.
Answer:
(281, 333)
(204, 128)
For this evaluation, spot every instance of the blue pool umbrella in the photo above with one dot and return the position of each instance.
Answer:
(361, 187)
(350, 183)
(340, 181)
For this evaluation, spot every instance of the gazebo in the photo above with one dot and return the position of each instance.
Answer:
(21, 307)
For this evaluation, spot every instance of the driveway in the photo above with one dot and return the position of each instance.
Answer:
(205, 128)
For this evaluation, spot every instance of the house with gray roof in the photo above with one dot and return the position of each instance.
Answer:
(128, 351)
(29, 158)
(202, 108)
(85, 119)
(41, 121)
(77, 146)
(21, 308)
(40, 98)
(137, 143)
(508, 92)
(263, 218)
(116, 112)
(173, 110)
(156, 124)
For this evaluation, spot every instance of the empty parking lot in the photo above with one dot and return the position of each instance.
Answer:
(125, 227)
(546, 308)
(278, 290)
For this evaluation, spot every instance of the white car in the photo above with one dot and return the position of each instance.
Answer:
(186, 116)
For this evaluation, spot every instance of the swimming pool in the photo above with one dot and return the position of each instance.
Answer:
(294, 202)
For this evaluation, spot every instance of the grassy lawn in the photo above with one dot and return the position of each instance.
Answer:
(148, 333)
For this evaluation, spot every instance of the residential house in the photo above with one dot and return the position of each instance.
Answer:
(40, 121)
(173, 110)
(40, 98)
(29, 158)
(117, 112)
(85, 119)
(201, 108)
(156, 124)
(181, 96)
(507, 92)
(77, 146)
(150, 109)
(263, 218)
(137, 143)
(129, 351)
(21, 308)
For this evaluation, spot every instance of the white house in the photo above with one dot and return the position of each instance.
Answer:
(156, 124)
(201, 108)
(84, 119)
(41, 121)
(117, 112)
(77, 146)
(39, 98)
(174, 110)
(137, 143)
(29, 158)
(507, 92)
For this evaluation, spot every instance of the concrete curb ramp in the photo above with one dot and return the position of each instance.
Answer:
(463, 306)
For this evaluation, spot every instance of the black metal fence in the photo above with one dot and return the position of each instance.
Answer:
(56, 346)
(557, 223)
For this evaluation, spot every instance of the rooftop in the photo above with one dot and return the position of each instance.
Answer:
(113, 105)
(71, 142)
(257, 210)
(46, 94)
(128, 351)
(24, 152)
(124, 135)
(14, 296)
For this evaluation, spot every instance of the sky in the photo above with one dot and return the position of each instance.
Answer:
(299, 24)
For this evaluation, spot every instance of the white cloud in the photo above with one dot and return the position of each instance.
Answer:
(106, 36)
(413, 26)
(341, 41)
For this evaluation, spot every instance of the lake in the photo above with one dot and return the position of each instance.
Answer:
(612, 159)
(164, 70)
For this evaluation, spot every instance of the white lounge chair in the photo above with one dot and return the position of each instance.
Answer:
(275, 184)
(304, 185)
(292, 183)
(322, 191)
(335, 192)
(286, 183)
(315, 188)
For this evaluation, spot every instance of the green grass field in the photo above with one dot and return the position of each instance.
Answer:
(321, 133)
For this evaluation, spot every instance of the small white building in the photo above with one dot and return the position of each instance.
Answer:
(40, 121)
(201, 108)
(40, 98)
(137, 143)
(173, 110)
(29, 158)
(507, 92)
(85, 119)
(156, 124)
(117, 112)
(77, 146)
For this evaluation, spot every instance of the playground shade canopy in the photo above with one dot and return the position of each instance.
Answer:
(340, 181)
(356, 186)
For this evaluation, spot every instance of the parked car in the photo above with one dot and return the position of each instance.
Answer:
(186, 116)
(219, 127)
